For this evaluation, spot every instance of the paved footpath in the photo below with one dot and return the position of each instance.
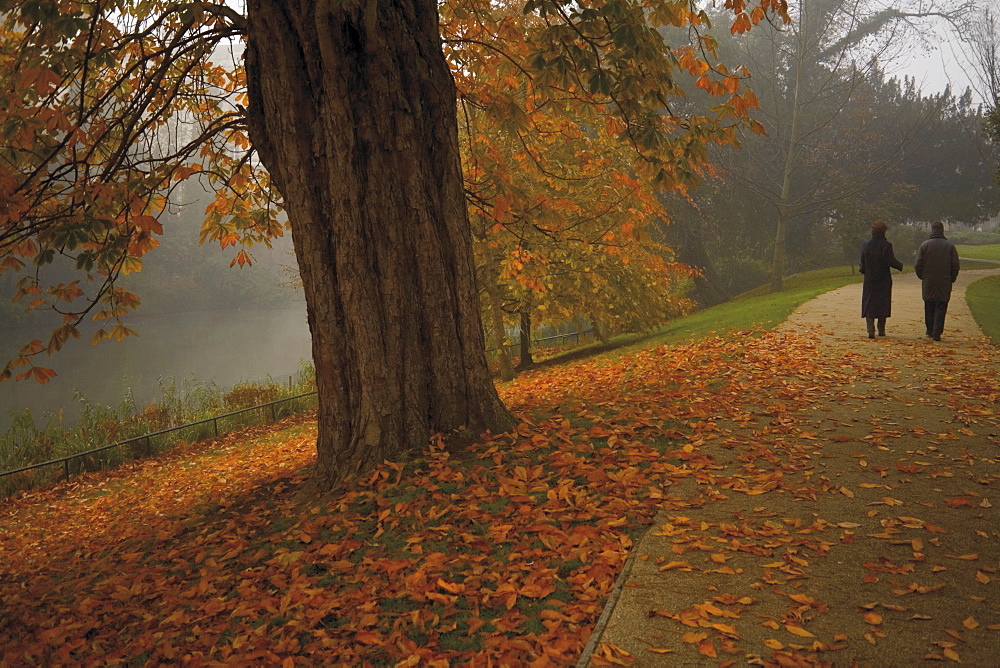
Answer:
(877, 543)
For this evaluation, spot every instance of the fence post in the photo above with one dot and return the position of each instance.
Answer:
(215, 425)
(274, 413)
(149, 446)
(66, 467)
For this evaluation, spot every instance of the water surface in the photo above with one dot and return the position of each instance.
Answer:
(224, 348)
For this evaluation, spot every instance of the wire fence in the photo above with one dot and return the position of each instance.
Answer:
(145, 442)
(147, 439)
(577, 336)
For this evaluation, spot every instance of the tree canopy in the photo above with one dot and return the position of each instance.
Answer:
(343, 115)
(111, 106)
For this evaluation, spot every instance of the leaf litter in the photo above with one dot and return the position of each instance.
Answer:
(506, 552)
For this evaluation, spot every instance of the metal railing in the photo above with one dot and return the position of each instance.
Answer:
(147, 437)
(572, 335)
(65, 461)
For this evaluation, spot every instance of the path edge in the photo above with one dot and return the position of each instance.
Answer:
(609, 607)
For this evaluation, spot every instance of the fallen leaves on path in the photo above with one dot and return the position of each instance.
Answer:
(507, 552)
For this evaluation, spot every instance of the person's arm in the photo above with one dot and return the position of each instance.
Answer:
(918, 264)
(861, 263)
(893, 262)
(954, 263)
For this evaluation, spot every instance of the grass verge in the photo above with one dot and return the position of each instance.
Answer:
(984, 301)
(31, 441)
(759, 309)
(988, 252)
(971, 265)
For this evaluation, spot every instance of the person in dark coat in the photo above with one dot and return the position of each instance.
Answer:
(876, 293)
(937, 268)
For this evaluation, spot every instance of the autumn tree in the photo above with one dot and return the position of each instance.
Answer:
(560, 209)
(347, 109)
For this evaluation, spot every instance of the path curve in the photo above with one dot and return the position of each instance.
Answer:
(837, 314)
(900, 455)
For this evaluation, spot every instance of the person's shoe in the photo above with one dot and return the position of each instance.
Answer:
(928, 334)
(871, 335)
(881, 332)
(937, 337)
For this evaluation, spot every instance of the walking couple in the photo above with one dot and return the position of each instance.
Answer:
(936, 266)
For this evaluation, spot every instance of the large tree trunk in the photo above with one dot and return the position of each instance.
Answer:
(352, 110)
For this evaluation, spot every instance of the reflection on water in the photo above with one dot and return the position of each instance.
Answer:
(211, 347)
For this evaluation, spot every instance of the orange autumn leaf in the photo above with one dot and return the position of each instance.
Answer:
(672, 565)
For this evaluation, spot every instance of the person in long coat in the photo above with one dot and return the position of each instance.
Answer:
(937, 268)
(876, 294)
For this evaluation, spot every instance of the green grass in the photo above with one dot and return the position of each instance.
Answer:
(989, 252)
(984, 302)
(970, 265)
(757, 310)
(30, 440)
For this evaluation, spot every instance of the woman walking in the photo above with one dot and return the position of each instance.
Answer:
(876, 293)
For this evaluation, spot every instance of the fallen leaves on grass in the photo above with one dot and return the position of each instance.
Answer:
(504, 552)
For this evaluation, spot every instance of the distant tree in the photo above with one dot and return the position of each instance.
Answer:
(818, 105)
(980, 31)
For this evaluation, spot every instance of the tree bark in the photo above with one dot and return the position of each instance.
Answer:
(497, 329)
(352, 111)
(525, 341)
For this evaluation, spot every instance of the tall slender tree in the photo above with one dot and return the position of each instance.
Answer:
(980, 31)
(812, 78)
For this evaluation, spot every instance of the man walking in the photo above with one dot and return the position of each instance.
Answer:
(937, 269)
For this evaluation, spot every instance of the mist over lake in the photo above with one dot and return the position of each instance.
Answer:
(192, 348)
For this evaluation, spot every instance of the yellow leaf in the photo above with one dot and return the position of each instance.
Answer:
(970, 623)
(798, 631)
(953, 655)
(671, 565)
(707, 648)
(726, 629)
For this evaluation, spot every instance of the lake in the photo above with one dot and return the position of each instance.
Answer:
(224, 348)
